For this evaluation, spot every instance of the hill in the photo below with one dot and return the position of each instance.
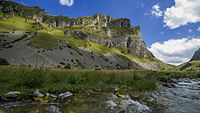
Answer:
(193, 64)
(31, 37)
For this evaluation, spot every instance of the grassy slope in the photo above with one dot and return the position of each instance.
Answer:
(15, 23)
(26, 79)
(191, 66)
(49, 38)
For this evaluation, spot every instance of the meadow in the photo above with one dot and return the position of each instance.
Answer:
(56, 80)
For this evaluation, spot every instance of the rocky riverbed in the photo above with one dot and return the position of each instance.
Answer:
(176, 96)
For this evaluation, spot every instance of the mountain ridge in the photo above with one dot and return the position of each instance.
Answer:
(100, 35)
(193, 64)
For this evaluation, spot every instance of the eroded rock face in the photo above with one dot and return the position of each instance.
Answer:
(102, 29)
(11, 8)
(76, 34)
(120, 23)
(136, 47)
(196, 55)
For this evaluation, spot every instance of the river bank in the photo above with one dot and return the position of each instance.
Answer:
(56, 80)
(86, 90)
(179, 95)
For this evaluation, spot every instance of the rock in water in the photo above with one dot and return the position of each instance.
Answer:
(111, 104)
(11, 95)
(126, 104)
(37, 93)
(63, 96)
(53, 109)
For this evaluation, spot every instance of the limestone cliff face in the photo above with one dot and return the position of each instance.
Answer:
(196, 55)
(105, 30)
(12, 8)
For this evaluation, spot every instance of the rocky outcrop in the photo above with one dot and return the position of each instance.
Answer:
(120, 23)
(135, 47)
(196, 55)
(102, 29)
(12, 8)
(76, 34)
(57, 21)
(39, 15)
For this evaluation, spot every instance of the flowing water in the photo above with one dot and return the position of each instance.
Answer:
(178, 96)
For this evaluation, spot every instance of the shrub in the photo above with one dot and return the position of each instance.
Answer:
(3, 61)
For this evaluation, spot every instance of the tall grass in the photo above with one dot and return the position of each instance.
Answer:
(27, 79)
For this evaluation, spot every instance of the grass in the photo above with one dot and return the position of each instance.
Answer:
(26, 79)
(191, 66)
(15, 23)
(47, 39)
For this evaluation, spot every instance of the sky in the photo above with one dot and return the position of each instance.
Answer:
(170, 28)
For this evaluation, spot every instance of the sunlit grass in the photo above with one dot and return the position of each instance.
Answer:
(15, 23)
(26, 79)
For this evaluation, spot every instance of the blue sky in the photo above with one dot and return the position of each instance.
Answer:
(181, 21)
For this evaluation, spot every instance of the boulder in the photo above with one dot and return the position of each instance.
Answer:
(11, 95)
(63, 96)
(37, 93)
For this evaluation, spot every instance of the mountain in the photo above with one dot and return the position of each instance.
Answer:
(196, 56)
(193, 64)
(29, 36)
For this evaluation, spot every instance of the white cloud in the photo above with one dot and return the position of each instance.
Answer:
(182, 13)
(175, 51)
(66, 2)
(162, 33)
(146, 14)
(198, 29)
(156, 11)
(190, 31)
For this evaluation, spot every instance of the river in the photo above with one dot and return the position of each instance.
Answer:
(177, 96)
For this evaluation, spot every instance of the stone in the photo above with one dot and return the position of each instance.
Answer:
(76, 34)
(169, 85)
(63, 96)
(53, 109)
(111, 104)
(37, 93)
(12, 94)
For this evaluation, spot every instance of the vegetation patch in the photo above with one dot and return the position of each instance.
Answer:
(3, 61)
(16, 23)
(191, 66)
(27, 79)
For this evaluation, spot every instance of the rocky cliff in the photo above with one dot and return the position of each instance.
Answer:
(116, 36)
(193, 64)
(196, 55)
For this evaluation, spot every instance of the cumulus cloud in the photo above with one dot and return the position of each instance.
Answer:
(198, 29)
(182, 13)
(156, 11)
(66, 2)
(190, 31)
(175, 51)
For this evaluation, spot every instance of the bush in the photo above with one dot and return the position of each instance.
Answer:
(3, 61)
